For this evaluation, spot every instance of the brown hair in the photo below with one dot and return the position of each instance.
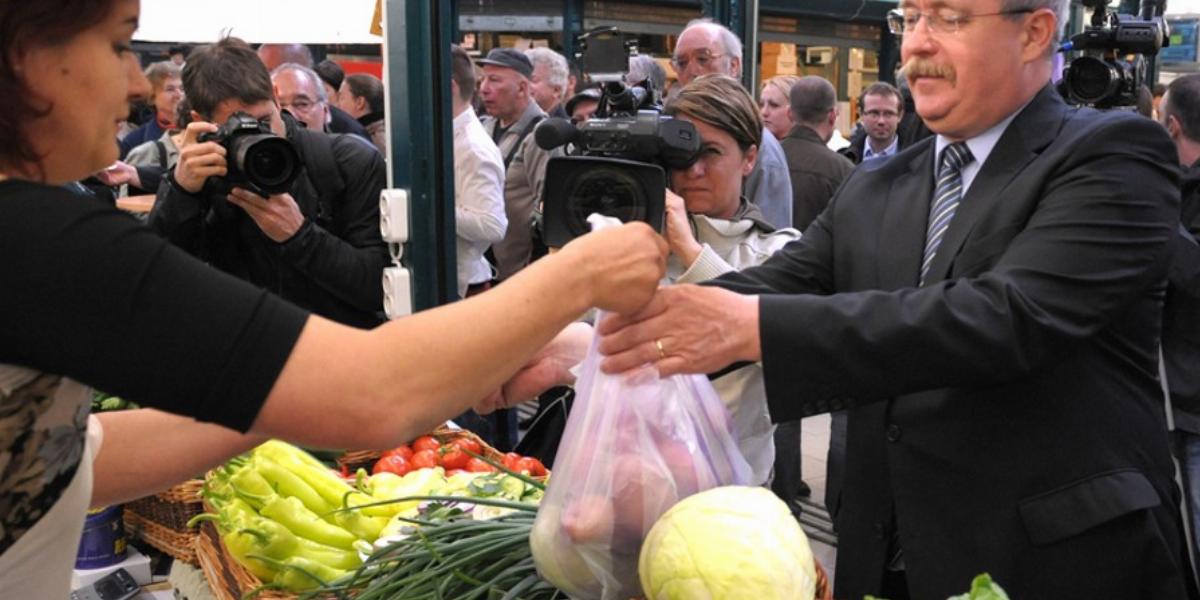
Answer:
(368, 87)
(228, 69)
(25, 25)
(881, 88)
(720, 101)
(462, 71)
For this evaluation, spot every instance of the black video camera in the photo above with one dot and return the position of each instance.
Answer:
(1115, 46)
(257, 159)
(616, 160)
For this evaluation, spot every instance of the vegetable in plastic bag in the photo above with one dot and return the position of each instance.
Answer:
(634, 445)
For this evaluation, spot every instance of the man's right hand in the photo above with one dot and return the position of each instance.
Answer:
(199, 161)
(625, 265)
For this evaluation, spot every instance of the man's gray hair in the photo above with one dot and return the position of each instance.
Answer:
(312, 76)
(556, 65)
(643, 67)
(1060, 8)
(729, 39)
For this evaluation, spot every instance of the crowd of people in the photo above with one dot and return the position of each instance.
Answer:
(994, 293)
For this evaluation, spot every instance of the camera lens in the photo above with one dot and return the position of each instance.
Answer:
(269, 162)
(1091, 80)
(609, 191)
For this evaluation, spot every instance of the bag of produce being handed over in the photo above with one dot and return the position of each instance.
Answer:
(634, 445)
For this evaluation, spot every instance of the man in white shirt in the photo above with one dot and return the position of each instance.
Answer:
(478, 182)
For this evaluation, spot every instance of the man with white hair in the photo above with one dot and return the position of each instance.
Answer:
(301, 92)
(987, 306)
(275, 55)
(549, 81)
(708, 47)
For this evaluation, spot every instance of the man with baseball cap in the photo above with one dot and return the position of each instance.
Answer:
(513, 115)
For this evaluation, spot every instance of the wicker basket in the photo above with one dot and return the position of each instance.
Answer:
(228, 579)
(161, 520)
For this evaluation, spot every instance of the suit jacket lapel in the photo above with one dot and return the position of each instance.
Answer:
(902, 236)
(1030, 133)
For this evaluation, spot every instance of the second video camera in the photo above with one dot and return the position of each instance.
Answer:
(258, 160)
(1104, 77)
(616, 160)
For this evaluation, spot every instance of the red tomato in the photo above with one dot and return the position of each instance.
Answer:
(510, 460)
(426, 442)
(530, 465)
(393, 464)
(478, 466)
(468, 445)
(453, 458)
(404, 451)
(425, 459)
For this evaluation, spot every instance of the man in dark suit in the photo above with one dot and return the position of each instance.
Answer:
(987, 305)
(881, 107)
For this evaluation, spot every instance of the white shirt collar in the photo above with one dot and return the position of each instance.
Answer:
(868, 153)
(981, 147)
(464, 117)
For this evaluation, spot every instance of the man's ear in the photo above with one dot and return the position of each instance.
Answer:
(197, 116)
(735, 67)
(1037, 37)
(1173, 127)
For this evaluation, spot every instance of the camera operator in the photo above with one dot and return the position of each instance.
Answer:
(1179, 112)
(318, 245)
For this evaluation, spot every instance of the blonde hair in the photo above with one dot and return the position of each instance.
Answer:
(720, 101)
(782, 84)
(160, 72)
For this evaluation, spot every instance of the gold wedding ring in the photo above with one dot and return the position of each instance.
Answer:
(661, 352)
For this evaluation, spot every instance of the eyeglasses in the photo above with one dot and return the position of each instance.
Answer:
(300, 104)
(881, 114)
(702, 58)
(943, 21)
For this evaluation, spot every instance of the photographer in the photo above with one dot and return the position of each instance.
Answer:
(318, 245)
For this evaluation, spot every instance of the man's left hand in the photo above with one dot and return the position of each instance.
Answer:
(278, 216)
(684, 329)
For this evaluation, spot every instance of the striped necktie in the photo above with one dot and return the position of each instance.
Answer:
(946, 197)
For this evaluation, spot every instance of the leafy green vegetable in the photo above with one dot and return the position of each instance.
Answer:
(982, 588)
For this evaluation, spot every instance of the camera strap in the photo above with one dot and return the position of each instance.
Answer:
(512, 153)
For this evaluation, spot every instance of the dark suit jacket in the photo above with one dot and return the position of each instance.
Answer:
(1006, 417)
(816, 172)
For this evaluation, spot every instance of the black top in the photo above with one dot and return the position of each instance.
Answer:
(91, 294)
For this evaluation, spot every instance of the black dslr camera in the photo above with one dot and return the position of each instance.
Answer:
(1113, 68)
(258, 160)
(616, 160)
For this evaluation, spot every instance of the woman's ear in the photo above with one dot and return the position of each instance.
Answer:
(749, 158)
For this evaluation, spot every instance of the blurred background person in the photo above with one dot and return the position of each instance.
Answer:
(644, 69)
(274, 55)
(548, 84)
(166, 87)
(708, 47)
(332, 75)
(881, 107)
(583, 105)
(361, 97)
(775, 106)
(299, 90)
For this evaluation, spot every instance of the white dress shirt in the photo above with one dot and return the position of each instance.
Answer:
(478, 198)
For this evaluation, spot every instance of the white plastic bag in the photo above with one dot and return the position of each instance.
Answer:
(634, 445)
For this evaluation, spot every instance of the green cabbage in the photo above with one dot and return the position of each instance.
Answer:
(727, 542)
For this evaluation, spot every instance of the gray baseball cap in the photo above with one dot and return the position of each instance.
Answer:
(509, 58)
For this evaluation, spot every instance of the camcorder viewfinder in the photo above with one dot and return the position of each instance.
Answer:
(616, 163)
(1115, 47)
(258, 160)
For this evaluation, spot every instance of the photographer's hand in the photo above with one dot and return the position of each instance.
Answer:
(278, 216)
(679, 231)
(199, 161)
